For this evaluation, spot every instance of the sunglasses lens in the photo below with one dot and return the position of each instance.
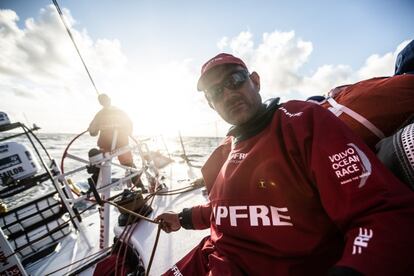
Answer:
(233, 81)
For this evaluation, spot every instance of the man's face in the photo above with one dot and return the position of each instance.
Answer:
(233, 93)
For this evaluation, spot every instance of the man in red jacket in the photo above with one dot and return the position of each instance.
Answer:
(292, 191)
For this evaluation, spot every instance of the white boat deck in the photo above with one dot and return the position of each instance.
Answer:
(171, 247)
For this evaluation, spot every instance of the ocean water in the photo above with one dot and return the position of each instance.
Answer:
(197, 150)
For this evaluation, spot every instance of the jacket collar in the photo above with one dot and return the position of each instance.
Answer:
(256, 124)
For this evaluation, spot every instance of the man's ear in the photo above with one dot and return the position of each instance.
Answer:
(256, 80)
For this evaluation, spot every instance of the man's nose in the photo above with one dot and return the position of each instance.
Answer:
(228, 92)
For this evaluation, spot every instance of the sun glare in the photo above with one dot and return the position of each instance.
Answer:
(163, 105)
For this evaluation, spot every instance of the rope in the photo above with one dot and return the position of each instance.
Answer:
(153, 250)
(129, 212)
(74, 43)
(83, 259)
(127, 232)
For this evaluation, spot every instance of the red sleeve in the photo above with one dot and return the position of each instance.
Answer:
(373, 210)
(200, 216)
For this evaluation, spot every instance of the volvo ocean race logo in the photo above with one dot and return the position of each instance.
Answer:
(351, 165)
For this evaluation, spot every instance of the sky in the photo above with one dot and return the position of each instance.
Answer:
(147, 55)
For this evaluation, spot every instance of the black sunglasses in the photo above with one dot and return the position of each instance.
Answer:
(233, 81)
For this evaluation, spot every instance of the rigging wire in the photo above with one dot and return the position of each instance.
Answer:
(136, 215)
(184, 155)
(103, 253)
(74, 43)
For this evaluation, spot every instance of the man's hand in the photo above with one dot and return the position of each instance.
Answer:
(169, 222)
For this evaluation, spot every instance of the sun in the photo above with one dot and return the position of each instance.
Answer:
(162, 105)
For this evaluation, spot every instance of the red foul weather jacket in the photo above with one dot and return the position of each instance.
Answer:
(299, 197)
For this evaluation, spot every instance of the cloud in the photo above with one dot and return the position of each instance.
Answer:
(8, 25)
(277, 58)
(280, 56)
(33, 51)
(22, 92)
(222, 43)
(42, 53)
(377, 65)
(41, 74)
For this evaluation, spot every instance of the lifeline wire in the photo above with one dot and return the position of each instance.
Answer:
(74, 43)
